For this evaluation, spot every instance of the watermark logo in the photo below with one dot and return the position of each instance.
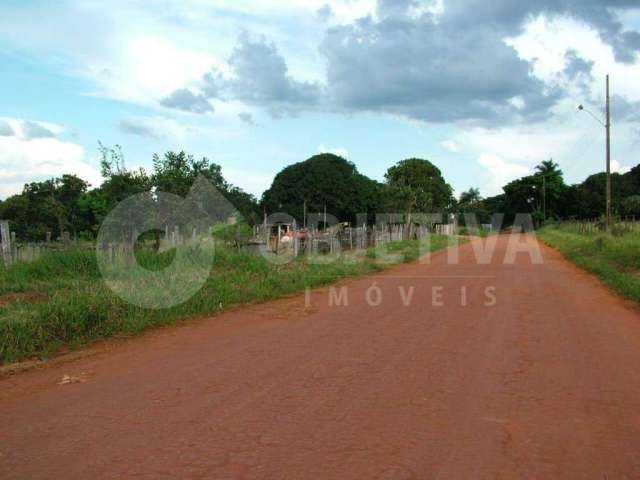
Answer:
(404, 296)
(156, 250)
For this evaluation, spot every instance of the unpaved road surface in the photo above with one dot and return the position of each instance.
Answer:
(545, 384)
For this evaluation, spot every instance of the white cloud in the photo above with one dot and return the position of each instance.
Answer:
(140, 55)
(499, 173)
(545, 42)
(450, 145)
(23, 161)
(518, 102)
(146, 68)
(126, 51)
(341, 152)
(525, 144)
(34, 153)
(618, 168)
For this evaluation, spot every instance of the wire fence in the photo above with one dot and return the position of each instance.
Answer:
(619, 226)
(279, 239)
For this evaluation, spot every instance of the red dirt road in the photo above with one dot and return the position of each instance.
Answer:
(545, 384)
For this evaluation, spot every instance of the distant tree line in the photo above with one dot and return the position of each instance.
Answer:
(417, 186)
(547, 197)
(324, 181)
(67, 204)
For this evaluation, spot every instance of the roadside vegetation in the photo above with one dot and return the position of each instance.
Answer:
(75, 307)
(60, 300)
(615, 257)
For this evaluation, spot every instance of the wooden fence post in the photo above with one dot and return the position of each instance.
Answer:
(5, 238)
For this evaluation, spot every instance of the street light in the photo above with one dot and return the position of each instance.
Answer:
(583, 109)
(607, 125)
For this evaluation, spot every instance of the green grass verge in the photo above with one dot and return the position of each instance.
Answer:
(81, 308)
(613, 258)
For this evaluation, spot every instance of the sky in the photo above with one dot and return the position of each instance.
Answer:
(484, 90)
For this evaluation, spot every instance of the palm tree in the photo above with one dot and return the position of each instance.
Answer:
(551, 185)
(470, 197)
(548, 168)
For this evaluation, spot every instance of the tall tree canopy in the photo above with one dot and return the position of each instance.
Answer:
(321, 180)
(50, 206)
(417, 185)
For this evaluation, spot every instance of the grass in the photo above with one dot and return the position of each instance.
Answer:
(81, 308)
(615, 258)
(477, 232)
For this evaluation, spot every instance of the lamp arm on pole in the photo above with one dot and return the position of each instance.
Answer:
(595, 117)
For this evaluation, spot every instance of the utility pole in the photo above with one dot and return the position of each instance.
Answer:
(608, 128)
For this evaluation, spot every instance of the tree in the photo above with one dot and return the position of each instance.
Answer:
(551, 189)
(470, 198)
(630, 206)
(633, 180)
(322, 180)
(48, 206)
(118, 185)
(15, 209)
(68, 190)
(471, 203)
(541, 194)
(119, 182)
(523, 196)
(245, 203)
(416, 185)
(548, 168)
(177, 172)
(591, 194)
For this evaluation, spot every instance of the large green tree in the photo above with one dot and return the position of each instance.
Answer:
(321, 180)
(630, 207)
(49, 206)
(417, 185)
(588, 199)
